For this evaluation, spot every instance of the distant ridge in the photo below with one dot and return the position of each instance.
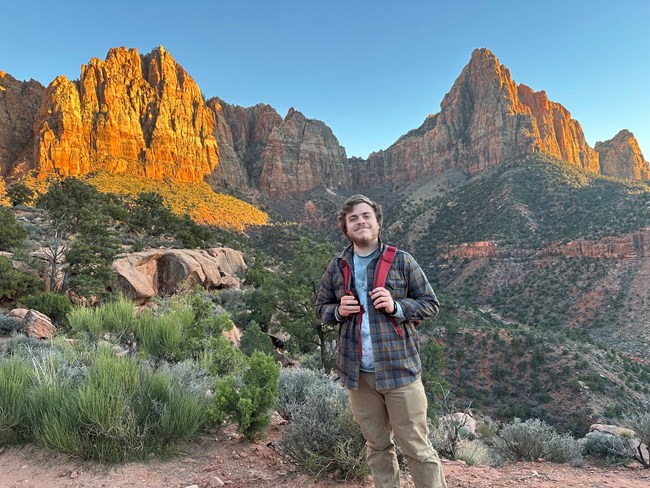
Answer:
(145, 116)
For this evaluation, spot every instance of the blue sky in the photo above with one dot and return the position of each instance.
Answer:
(371, 70)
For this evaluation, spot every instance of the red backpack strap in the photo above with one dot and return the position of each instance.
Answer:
(346, 277)
(385, 262)
(384, 265)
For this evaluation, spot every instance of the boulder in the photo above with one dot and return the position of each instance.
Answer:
(18, 313)
(463, 420)
(38, 325)
(233, 335)
(142, 275)
(613, 429)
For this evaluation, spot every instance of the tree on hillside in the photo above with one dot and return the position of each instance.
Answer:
(149, 214)
(66, 199)
(20, 194)
(12, 234)
(15, 284)
(56, 245)
(286, 300)
(91, 255)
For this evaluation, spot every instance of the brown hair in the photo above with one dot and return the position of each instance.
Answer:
(350, 203)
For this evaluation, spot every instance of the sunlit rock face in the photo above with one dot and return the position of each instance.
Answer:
(621, 157)
(141, 115)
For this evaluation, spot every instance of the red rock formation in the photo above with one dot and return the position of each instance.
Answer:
(555, 132)
(242, 133)
(484, 119)
(144, 115)
(629, 246)
(138, 114)
(301, 154)
(34, 323)
(621, 157)
(19, 101)
(141, 275)
(261, 150)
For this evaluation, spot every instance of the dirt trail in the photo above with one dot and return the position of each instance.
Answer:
(226, 458)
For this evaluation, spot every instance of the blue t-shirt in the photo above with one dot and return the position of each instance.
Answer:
(361, 285)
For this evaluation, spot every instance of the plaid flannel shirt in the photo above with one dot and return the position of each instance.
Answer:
(397, 358)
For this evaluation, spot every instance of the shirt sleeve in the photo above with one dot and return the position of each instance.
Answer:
(327, 301)
(421, 301)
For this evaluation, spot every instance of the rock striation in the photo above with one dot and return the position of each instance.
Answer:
(259, 149)
(19, 102)
(485, 118)
(635, 245)
(143, 275)
(621, 157)
(144, 115)
(141, 115)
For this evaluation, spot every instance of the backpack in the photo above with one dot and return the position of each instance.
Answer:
(385, 262)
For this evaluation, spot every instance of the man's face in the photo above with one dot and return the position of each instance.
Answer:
(362, 226)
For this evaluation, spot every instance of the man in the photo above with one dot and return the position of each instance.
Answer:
(378, 361)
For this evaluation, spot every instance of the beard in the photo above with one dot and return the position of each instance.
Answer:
(364, 239)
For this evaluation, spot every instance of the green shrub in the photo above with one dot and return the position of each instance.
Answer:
(17, 344)
(117, 316)
(20, 194)
(610, 447)
(87, 321)
(15, 284)
(534, 439)
(8, 325)
(161, 336)
(15, 379)
(248, 399)
(220, 358)
(474, 453)
(188, 375)
(118, 411)
(254, 339)
(294, 387)
(323, 436)
(12, 234)
(55, 306)
(54, 418)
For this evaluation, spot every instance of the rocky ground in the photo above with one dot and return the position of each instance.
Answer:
(224, 459)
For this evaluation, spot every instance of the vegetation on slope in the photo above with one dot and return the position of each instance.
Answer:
(198, 200)
(532, 201)
(528, 207)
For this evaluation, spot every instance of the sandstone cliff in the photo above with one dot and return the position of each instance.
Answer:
(259, 149)
(242, 133)
(621, 157)
(19, 101)
(635, 245)
(484, 119)
(144, 115)
(138, 114)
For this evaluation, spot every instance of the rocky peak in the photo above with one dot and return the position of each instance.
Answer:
(129, 113)
(483, 120)
(261, 150)
(242, 133)
(621, 157)
(301, 154)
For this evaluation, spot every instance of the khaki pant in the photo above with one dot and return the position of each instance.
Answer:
(402, 412)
